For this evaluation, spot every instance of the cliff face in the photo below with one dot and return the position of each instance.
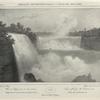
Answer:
(91, 39)
(8, 69)
(90, 42)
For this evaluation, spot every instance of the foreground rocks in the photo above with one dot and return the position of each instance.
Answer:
(29, 77)
(84, 78)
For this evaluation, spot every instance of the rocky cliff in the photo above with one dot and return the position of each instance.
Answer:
(90, 39)
(8, 69)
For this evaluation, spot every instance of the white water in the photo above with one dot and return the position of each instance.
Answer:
(60, 43)
(26, 54)
(54, 69)
(57, 69)
(50, 67)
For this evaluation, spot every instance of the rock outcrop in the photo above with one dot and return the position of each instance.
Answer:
(84, 78)
(29, 77)
(91, 39)
(8, 68)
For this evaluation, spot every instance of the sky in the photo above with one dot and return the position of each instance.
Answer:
(60, 21)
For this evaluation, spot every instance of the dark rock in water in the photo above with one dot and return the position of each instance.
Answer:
(39, 80)
(29, 77)
(84, 78)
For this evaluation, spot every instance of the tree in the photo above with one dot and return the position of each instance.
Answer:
(16, 28)
(4, 37)
(20, 28)
(12, 28)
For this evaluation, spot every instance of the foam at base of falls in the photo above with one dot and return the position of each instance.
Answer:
(56, 69)
(50, 67)
(26, 54)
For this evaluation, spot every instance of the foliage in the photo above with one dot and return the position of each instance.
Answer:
(4, 37)
(20, 29)
(17, 29)
(91, 32)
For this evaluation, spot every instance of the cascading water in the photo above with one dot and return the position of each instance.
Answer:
(61, 43)
(26, 54)
(60, 64)
(51, 67)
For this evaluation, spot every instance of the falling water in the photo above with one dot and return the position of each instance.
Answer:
(51, 67)
(62, 60)
(60, 43)
(26, 55)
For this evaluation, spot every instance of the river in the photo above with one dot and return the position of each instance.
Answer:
(55, 64)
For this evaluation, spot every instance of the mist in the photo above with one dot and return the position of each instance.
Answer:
(53, 68)
(66, 25)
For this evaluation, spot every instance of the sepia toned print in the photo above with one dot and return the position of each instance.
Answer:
(50, 45)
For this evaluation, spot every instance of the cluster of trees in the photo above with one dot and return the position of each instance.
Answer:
(91, 32)
(76, 33)
(17, 29)
(4, 37)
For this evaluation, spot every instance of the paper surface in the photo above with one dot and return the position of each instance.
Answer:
(56, 52)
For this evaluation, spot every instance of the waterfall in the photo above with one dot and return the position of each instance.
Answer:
(51, 66)
(60, 43)
(26, 54)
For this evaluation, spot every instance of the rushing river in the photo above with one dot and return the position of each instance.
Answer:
(60, 43)
(61, 62)
(26, 54)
